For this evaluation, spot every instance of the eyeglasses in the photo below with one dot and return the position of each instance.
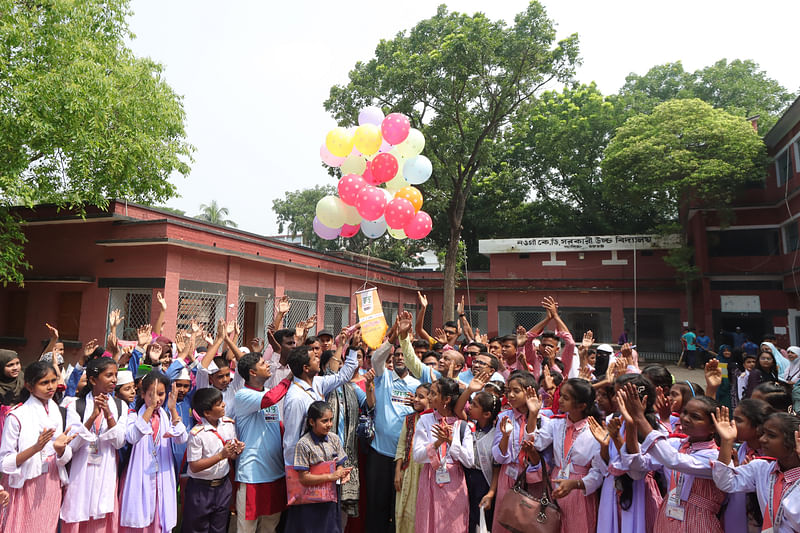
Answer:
(450, 332)
(472, 354)
(479, 363)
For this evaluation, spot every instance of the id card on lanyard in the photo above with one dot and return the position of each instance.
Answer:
(442, 475)
(512, 470)
(566, 461)
(773, 514)
(674, 509)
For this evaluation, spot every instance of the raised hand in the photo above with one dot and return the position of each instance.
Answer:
(478, 382)
(662, 405)
(551, 306)
(114, 319)
(634, 405)
(125, 356)
(588, 339)
(725, 426)
(369, 376)
(599, 432)
(522, 335)
(439, 335)
(300, 329)
(89, 347)
(621, 396)
(713, 374)
(311, 322)
(532, 401)
(451, 372)
(403, 324)
(172, 401)
(230, 327)
(144, 335)
(53, 331)
(283, 305)
(547, 380)
(460, 306)
(423, 300)
(627, 353)
(222, 327)
(507, 427)
(44, 438)
(256, 345)
(161, 301)
(585, 373)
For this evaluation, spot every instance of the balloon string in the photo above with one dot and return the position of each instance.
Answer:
(366, 272)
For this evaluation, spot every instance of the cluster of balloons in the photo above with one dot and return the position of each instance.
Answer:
(381, 160)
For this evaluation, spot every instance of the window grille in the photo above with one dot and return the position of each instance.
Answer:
(134, 306)
(205, 307)
(337, 314)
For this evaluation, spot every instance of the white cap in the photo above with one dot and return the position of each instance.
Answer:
(212, 368)
(605, 348)
(184, 375)
(244, 350)
(794, 349)
(124, 377)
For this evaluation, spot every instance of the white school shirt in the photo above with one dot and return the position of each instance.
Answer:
(585, 450)
(759, 475)
(92, 489)
(457, 452)
(138, 504)
(204, 441)
(658, 452)
(21, 431)
(229, 394)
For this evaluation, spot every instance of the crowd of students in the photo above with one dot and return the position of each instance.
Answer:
(425, 433)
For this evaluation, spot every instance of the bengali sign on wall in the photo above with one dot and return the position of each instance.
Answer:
(578, 244)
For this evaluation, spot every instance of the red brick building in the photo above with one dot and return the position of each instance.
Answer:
(82, 268)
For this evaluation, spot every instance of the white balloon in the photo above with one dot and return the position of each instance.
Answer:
(373, 228)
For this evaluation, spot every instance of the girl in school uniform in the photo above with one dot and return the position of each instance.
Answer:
(149, 502)
(316, 446)
(406, 473)
(34, 453)
(483, 477)
(513, 425)
(444, 448)
(98, 421)
(774, 477)
(693, 501)
(629, 499)
(576, 456)
(679, 395)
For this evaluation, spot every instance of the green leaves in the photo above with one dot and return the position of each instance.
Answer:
(82, 119)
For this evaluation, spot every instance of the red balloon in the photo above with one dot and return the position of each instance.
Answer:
(349, 187)
(395, 128)
(349, 231)
(369, 177)
(384, 167)
(371, 202)
(399, 212)
(420, 226)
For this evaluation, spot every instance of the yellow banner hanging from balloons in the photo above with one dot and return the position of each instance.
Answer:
(370, 317)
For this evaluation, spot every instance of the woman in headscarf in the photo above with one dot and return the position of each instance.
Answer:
(346, 402)
(11, 380)
(780, 360)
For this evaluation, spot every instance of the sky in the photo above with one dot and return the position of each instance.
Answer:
(254, 74)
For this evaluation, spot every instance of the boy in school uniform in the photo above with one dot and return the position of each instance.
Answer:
(212, 444)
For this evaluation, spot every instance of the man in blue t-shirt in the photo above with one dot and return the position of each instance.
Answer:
(703, 343)
(393, 389)
(261, 496)
(688, 341)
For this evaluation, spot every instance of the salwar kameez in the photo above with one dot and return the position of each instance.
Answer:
(442, 501)
(34, 507)
(405, 506)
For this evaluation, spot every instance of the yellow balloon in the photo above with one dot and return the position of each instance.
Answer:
(353, 165)
(351, 215)
(396, 183)
(398, 234)
(368, 139)
(413, 144)
(331, 211)
(411, 194)
(339, 142)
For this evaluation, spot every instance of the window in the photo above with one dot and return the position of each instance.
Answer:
(16, 313)
(743, 243)
(69, 315)
(790, 237)
(784, 167)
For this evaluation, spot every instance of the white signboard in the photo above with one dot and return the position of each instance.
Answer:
(740, 304)
(578, 244)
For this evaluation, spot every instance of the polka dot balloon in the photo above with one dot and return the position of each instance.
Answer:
(399, 212)
(371, 202)
(420, 226)
(411, 194)
(384, 167)
(349, 187)
(395, 128)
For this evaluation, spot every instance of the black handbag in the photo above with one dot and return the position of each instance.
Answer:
(522, 512)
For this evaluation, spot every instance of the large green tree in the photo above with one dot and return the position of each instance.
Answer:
(460, 78)
(685, 154)
(216, 214)
(739, 87)
(82, 119)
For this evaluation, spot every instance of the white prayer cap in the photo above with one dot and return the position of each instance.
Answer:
(605, 348)
(794, 349)
(184, 374)
(212, 368)
(124, 377)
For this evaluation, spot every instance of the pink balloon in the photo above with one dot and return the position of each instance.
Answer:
(371, 203)
(349, 187)
(420, 226)
(328, 158)
(369, 177)
(399, 212)
(395, 128)
(384, 167)
(349, 231)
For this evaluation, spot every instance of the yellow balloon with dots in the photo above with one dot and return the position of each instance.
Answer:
(368, 139)
(411, 194)
(339, 142)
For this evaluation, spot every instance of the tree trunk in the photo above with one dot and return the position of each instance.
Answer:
(456, 212)
(689, 303)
